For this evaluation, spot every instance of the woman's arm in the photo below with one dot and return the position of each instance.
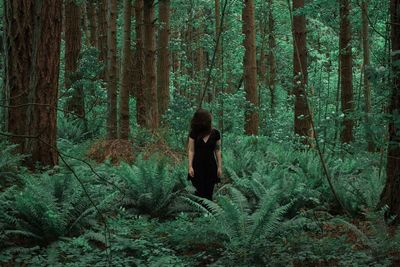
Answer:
(218, 152)
(190, 156)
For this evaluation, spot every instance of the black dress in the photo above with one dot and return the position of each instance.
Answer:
(205, 164)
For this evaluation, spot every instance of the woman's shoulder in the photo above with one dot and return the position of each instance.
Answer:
(216, 133)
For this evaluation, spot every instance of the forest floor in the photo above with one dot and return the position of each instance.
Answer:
(274, 211)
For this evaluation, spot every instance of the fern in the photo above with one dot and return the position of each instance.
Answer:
(150, 187)
(72, 130)
(10, 163)
(245, 230)
(48, 208)
(378, 240)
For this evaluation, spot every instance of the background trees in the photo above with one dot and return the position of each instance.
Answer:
(302, 114)
(306, 95)
(390, 194)
(346, 71)
(167, 56)
(250, 67)
(33, 33)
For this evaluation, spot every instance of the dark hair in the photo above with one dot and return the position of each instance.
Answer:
(200, 125)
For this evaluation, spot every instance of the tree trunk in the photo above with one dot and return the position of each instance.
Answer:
(91, 14)
(85, 24)
(346, 71)
(18, 20)
(302, 114)
(102, 36)
(391, 193)
(43, 83)
(262, 66)
(218, 60)
(111, 76)
(126, 78)
(73, 41)
(198, 57)
(150, 64)
(163, 56)
(250, 68)
(271, 57)
(141, 111)
(176, 61)
(367, 86)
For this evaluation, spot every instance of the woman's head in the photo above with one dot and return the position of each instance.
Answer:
(201, 122)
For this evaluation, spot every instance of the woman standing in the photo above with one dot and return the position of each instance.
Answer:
(204, 151)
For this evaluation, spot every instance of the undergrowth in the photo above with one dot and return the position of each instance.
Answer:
(274, 208)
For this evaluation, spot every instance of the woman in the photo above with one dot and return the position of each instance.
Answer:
(204, 151)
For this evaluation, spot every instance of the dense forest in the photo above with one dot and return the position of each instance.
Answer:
(96, 102)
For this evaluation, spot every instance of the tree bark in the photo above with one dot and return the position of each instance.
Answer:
(73, 42)
(43, 82)
(218, 59)
(271, 57)
(102, 35)
(111, 76)
(85, 24)
(198, 57)
(302, 114)
(18, 20)
(91, 14)
(391, 193)
(150, 64)
(141, 111)
(346, 71)
(250, 68)
(366, 63)
(163, 56)
(176, 61)
(126, 78)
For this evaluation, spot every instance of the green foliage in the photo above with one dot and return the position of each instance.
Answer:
(150, 187)
(49, 207)
(247, 233)
(70, 126)
(72, 130)
(274, 212)
(379, 241)
(9, 163)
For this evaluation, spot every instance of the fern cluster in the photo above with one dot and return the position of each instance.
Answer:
(247, 230)
(9, 164)
(49, 207)
(299, 174)
(151, 187)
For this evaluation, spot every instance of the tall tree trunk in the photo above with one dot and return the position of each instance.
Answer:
(302, 114)
(367, 86)
(85, 24)
(150, 64)
(102, 36)
(271, 57)
(18, 20)
(163, 56)
(198, 57)
(139, 84)
(176, 60)
(126, 78)
(250, 68)
(391, 193)
(262, 65)
(91, 14)
(218, 59)
(111, 76)
(346, 72)
(73, 42)
(43, 83)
